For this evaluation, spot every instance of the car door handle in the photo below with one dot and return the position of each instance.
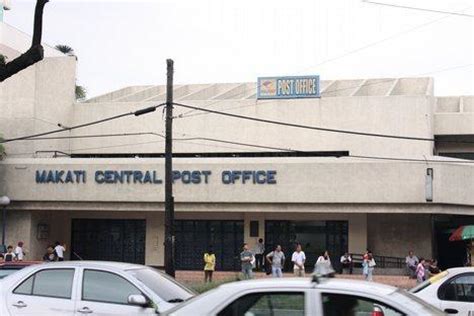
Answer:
(19, 304)
(85, 310)
(451, 311)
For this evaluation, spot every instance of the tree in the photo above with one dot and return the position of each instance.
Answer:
(3, 60)
(2, 150)
(81, 92)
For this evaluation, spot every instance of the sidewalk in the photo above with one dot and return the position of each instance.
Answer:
(194, 277)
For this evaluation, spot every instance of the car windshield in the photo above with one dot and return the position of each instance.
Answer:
(407, 299)
(165, 287)
(428, 282)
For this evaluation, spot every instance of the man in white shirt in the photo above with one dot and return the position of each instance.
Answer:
(346, 263)
(298, 258)
(60, 249)
(19, 253)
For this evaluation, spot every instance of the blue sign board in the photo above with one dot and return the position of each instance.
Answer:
(288, 87)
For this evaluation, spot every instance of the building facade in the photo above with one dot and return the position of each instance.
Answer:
(100, 189)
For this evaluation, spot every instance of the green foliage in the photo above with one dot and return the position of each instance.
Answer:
(67, 50)
(2, 150)
(81, 93)
(203, 287)
(3, 60)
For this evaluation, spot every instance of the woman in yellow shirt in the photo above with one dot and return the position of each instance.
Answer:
(209, 265)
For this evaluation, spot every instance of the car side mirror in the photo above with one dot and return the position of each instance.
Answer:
(137, 300)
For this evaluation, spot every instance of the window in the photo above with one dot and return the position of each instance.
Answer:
(253, 228)
(263, 304)
(106, 287)
(341, 305)
(50, 283)
(459, 289)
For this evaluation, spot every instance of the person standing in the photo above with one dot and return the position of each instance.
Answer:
(10, 255)
(368, 266)
(346, 263)
(259, 251)
(60, 249)
(50, 254)
(411, 262)
(276, 259)
(209, 265)
(323, 264)
(246, 260)
(420, 271)
(298, 258)
(19, 252)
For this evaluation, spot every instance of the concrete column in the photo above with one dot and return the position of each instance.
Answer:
(248, 217)
(155, 236)
(357, 233)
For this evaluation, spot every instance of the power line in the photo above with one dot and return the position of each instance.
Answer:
(418, 9)
(332, 130)
(356, 50)
(136, 113)
(412, 159)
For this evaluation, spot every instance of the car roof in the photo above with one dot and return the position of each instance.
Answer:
(92, 264)
(460, 270)
(324, 283)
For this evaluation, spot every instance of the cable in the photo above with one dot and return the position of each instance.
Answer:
(332, 130)
(344, 54)
(236, 143)
(136, 113)
(411, 159)
(418, 9)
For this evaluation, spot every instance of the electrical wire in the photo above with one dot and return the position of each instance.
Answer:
(136, 113)
(418, 9)
(323, 129)
(356, 50)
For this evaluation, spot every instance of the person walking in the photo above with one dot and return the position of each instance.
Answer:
(323, 265)
(60, 249)
(298, 258)
(411, 263)
(420, 271)
(50, 254)
(246, 259)
(346, 263)
(19, 251)
(209, 265)
(368, 266)
(9, 256)
(259, 251)
(276, 259)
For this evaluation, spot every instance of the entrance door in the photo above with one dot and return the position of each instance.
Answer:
(314, 236)
(194, 237)
(109, 239)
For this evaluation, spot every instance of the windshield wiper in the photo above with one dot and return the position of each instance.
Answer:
(176, 300)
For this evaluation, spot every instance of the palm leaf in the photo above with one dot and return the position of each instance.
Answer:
(81, 93)
(67, 50)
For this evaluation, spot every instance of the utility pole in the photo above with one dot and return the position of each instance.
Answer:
(169, 199)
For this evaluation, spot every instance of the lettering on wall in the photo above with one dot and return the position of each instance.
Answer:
(227, 177)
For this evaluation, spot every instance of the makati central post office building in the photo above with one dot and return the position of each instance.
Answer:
(237, 180)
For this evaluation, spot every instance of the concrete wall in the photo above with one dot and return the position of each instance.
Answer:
(396, 234)
(298, 180)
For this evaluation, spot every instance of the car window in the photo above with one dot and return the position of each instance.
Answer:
(349, 305)
(50, 283)
(106, 287)
(266, 304)
(459, 289)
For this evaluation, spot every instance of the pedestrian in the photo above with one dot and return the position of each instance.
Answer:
(323, 265)
(433, 267)
(10, 256)
(60, 249)
(276, 259)
(50, 254)
(411, 263)
(19, 251)
(259, 251)
(247, 259)
(346, 263)
(420, 271)
(209, 265)
(298, 258)
(368, 266)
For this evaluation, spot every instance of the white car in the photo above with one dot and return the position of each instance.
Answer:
(304, 296)
(89, 288)
(451, 291)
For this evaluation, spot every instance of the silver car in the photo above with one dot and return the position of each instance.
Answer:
(89, 288)
(304, 296)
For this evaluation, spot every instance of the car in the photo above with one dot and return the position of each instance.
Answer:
(9, 267)
(451, 291)
(304, 296)
(89, 288)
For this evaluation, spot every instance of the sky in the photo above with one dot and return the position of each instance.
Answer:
(125, 43)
